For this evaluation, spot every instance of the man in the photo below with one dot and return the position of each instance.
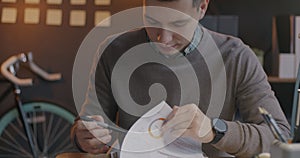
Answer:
(176, 37)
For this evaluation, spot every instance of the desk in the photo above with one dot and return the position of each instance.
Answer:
(81, 155)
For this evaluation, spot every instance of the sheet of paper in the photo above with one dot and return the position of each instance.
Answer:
(78, 18)
(9, 15)
(78, 2)
(32, 16)
(100, 16)
(9, 1)
(32, 1)
(57, 2)
(102, 2)
(54, 17)
(144, 139)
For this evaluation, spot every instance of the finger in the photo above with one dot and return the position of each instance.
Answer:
(181, 133)
(170, 127)
(84, 125)
(185, 113)
(100, 132)
(182, 125)
(97, 149)
(103, 149)
(88, 134)
(84, 134)
(90, 144)
(172, 114)
(188, 108)
(97, 118)
(95, 142)
(101, 140)
(106, 139)
(179, 119)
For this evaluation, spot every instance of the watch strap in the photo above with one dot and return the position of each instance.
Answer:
(218, 134)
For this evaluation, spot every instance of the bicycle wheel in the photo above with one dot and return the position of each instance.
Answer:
(49, 126)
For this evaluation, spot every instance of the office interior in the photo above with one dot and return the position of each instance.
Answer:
(53, 31)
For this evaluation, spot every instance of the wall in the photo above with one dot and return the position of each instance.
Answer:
(255, 19)
(54, 48)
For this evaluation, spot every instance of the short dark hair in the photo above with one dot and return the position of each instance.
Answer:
(196, 3)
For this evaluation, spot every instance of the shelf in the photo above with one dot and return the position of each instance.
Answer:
(274, 79)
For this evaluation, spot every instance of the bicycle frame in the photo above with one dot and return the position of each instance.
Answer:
(17, 93)
(9, 70)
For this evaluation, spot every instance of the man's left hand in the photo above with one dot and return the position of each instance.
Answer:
(189, 121)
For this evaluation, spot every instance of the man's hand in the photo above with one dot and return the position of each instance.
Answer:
(92, 137)
(189, 121)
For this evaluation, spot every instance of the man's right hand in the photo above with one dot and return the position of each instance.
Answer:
(91, 137)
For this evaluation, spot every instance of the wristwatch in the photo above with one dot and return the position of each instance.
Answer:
(219, 128)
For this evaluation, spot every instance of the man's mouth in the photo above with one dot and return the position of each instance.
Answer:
(168, 48)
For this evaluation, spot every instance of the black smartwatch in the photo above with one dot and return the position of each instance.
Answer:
(219, 128)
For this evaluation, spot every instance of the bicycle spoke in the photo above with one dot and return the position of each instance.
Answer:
(18, 130)
(34, 125)
(13, 142)
(14, 152)
(55, 129)
(58, 135)
(34, 137)
(64, 145)
(47, 130)
(48, 126)
(69, 146)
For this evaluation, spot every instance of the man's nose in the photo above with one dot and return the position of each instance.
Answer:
(164, 36)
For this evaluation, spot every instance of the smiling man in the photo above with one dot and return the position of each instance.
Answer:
(172, 33)
(169, 28)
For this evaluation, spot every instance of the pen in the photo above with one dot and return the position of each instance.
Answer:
(272, 124)
(102, 124)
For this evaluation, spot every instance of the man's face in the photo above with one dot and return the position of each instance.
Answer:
(172, 24)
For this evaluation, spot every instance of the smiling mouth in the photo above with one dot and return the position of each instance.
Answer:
(168, 47)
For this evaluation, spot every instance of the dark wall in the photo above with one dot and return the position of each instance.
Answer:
(255, 17)
(54, 49)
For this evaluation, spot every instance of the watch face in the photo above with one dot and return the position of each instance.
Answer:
(219, 125)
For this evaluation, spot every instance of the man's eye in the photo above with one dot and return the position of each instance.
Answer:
(180, 23)
(152, 22)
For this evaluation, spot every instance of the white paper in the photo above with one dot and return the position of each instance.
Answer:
(102, 2)
(54, 17)
(144, 139)
(78, 18)
(31, 16)
(100, 16)
(9, 15)
(54, 2)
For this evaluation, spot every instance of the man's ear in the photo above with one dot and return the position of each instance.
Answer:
(203, 8)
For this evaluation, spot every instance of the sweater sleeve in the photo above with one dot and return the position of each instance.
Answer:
(99, 99)
(251, 135)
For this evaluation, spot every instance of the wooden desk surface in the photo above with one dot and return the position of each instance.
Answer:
(81, 155)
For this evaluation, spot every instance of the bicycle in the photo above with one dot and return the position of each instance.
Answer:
(43, 126)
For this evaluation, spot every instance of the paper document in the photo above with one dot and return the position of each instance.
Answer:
(144, 138)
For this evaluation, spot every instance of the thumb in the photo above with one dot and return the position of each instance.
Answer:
(97, 118)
